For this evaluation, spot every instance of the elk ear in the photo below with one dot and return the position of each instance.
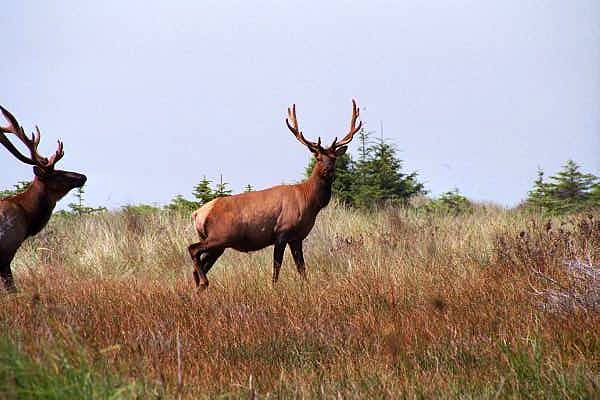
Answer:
(340, 151)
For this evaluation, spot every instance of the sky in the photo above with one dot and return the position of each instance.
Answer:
(150, 96)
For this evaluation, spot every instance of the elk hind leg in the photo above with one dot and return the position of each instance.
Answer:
(207, 260)
(211, 258)
(197, 250)
(298, 256)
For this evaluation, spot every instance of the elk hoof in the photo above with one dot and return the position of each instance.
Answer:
(202, 287)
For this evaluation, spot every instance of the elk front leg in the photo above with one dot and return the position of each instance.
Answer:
(6, 274)
(298, 255)
(277, 260)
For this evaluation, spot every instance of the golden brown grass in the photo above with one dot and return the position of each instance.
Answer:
(397, 305)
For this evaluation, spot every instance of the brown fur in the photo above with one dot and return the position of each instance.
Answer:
(26, 214)
(281, 215)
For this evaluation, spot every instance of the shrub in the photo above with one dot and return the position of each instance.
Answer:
(452, 203)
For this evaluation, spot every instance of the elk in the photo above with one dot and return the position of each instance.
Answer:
(26, 214)
(281, 215)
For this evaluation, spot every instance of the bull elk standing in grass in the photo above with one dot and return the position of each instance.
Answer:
(281, 215)
(27, 213)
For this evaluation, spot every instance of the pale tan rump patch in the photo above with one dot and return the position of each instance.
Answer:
(199, 216)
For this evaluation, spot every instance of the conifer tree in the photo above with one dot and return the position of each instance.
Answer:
(375, 177)
(570, 190)
(384, 177)
(222, 189)
(79, 207)
(364, 142)
(538, 196)
(343, 179)
(363, 191)
(202, 191)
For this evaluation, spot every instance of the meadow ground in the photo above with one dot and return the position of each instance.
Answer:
(494, 304)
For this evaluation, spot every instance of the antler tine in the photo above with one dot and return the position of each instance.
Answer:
(57, 155)
(353, 127)
(31, 143)
(35, 136)
(13, 128)
(296, 131)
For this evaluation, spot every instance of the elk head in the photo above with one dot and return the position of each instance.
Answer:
(325, 166)
(57, 183)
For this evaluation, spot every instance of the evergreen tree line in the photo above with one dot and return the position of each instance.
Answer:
(202, 193)
(570, 190)
(375, 177)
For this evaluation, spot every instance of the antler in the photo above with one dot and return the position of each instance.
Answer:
(32, 144)
(353, 128)
(314, 147)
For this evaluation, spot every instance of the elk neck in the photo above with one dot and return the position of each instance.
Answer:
(36, 205)
(318, 190)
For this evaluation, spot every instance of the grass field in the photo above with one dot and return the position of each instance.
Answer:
(494, 304)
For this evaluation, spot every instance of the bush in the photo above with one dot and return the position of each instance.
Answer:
(141, 209)
(451, 202)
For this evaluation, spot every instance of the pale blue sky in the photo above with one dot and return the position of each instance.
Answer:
(149, 96)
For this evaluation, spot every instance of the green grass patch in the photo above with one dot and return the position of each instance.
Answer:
(56, 377)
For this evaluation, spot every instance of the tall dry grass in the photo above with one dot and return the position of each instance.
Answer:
(397, 305)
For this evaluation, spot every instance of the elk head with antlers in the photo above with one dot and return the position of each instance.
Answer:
(281, 216)
(27, 213)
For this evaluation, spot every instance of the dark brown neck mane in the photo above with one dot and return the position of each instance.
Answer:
(318, 189)
(36, 204)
